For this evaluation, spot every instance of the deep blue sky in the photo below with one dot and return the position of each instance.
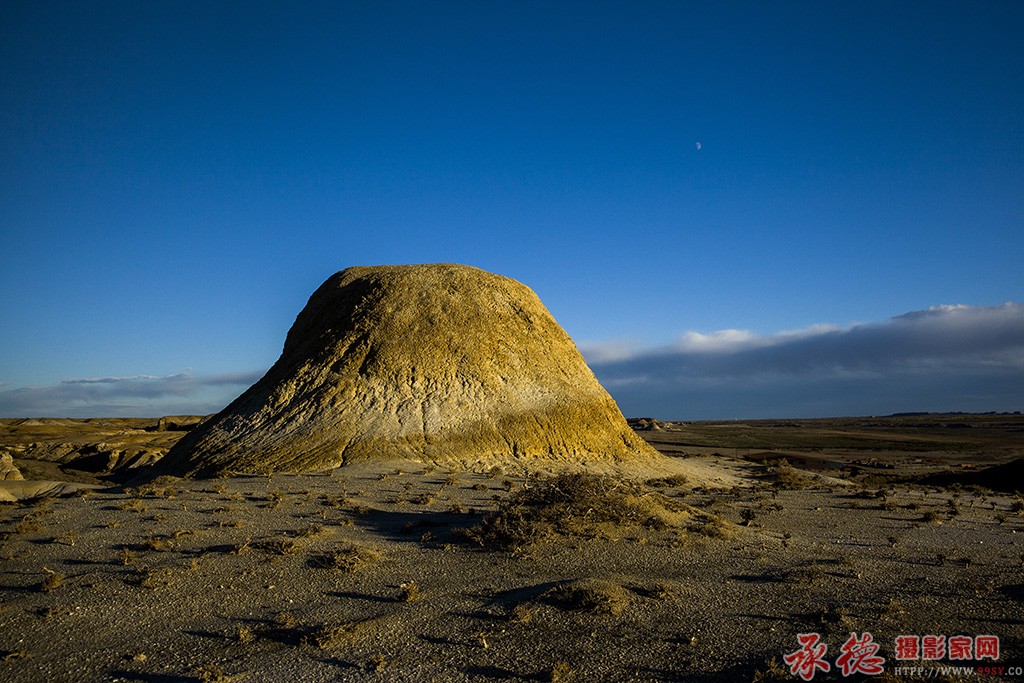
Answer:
(177, 177)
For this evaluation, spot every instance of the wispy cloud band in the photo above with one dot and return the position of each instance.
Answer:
(946, 357)
(139, 395)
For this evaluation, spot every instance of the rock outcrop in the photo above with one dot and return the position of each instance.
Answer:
(437, 363)
(8, 470)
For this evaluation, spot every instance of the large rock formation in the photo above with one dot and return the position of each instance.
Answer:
(437, 363)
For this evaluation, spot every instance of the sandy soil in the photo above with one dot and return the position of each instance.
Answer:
(365, 574)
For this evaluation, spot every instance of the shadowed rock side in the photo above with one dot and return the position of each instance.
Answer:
(441, 363)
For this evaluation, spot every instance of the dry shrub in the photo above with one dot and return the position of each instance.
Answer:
(590, 595)
(561, 672)
(717, 527)
(285, 620)
(245, 635)
(409, 592)
(158, 543)
(330, 636)
(280, 546)
(575, 504)
(53, 581)
(786, 476)
(240, 548)
(162, 487)
(668, 482)
(311, 531)
(377, 662)
(1018, 505)
(153, 578)
(212, 673)
(30, 523)
(349, 559)
(133, 504)
(521, 614)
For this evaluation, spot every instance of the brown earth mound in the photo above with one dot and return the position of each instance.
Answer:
(438, 363)
(1007, 477)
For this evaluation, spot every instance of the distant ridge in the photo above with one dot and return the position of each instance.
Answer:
(951, 412)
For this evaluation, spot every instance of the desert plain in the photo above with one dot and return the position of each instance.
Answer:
(406, 571)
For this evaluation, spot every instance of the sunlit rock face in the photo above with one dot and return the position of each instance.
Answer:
(437, 363)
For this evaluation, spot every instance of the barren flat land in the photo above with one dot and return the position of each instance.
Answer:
(906, 526)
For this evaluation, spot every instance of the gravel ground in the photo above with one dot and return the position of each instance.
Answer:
(365, 575)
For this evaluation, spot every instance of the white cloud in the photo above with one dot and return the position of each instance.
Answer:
(605, 352)
(722, 341)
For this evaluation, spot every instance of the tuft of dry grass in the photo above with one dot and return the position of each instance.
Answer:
(409, 592)
(161, 487)
(158, 543)
(280, 546)
(275, 499)
(51, 582)
(213, 673)
(153, 579)
(561, 672)
(786, 476)
(377, 662)
(421, 499)
(575, 504)
(521, 614)
(673, 481)
(30, 523)
(285, 620)
(717, 527)
(69, 539)
(311, 531)
(245, 635)
(330, 636)
(590, 595)
(348, 559)
(932, 517)
(240, 548)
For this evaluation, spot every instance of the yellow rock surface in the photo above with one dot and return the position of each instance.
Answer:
(437, 363)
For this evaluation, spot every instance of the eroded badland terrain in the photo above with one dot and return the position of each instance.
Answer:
(400, 571)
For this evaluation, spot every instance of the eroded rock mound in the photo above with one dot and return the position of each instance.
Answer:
(8, 471)
(438, 363)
